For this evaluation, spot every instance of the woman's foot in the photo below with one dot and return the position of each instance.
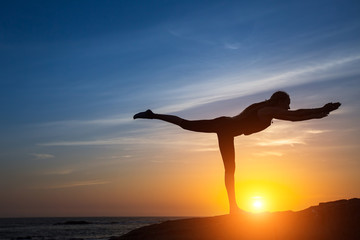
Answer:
(236, 211)
(147, 115)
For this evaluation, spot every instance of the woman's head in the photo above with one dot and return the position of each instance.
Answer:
(280, 98)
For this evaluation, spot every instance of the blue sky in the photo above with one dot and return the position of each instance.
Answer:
(73, 73)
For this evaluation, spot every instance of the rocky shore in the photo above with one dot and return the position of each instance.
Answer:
(332, 220)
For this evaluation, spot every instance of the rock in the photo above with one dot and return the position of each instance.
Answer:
(327, 221)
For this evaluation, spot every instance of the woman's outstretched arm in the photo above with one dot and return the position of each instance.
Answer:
(297, 115)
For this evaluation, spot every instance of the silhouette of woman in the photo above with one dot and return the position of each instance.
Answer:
(254, 118)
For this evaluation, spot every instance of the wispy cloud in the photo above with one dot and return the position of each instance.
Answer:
(264, 154)
(232, 46)
(111, 121)
(315, 131)
(109, 160)
(112, 141)
(59, 172)
(117, 141)
(209, 149)
(281, 142)
(42, 155)
(228, 87)
(167, 136)
(207, 91)
(77, 184)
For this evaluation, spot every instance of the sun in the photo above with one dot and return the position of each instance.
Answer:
(257, 204)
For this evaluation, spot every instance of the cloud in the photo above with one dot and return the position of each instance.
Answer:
(232, 46)
(78, 184)
(313, 131)
(209, 149)
(111, 121)
(281, 142)
(233, 86)
(225, 87)
(148, 137)
(116, 157)
(42, 156)
(59, 172)
(112, 141)
(264, 154)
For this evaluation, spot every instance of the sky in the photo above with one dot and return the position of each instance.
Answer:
(73, 74)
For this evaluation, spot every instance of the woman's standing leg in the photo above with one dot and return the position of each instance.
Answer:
(227, 149)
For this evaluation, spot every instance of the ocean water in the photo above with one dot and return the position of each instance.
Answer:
(95, 228)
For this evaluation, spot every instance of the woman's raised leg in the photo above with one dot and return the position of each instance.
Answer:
(206, 126)
(227, 149)
(167, 118)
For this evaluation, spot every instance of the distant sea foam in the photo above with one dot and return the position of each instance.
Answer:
(94, 228)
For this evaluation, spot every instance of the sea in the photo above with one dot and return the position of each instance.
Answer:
(82, 228)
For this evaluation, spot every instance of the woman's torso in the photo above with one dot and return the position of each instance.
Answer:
(249, 123)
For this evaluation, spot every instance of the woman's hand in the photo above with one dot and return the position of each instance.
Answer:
(329, 107)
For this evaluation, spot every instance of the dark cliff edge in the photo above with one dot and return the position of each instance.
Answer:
(331, 220)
